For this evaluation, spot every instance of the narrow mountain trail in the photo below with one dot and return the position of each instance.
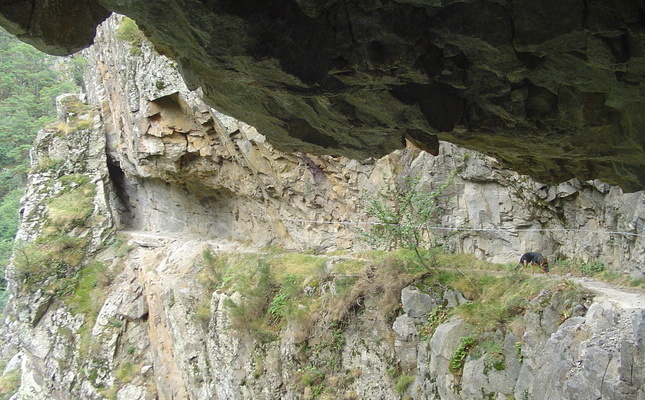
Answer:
(626, 298)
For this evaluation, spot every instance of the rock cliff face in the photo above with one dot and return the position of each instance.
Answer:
(180, 166)
(172, 180)
(551, 88)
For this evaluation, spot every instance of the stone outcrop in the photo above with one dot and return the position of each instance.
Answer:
(173, 179)
(180, 166)
(552, 89)
(160, 335)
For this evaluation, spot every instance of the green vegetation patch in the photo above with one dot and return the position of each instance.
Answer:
(52, 261)
(128, 31)
(500, 298)
(459, 356)
(89, 292)
(9, 383)
(403, 383)
(297, 268)
(125, 372)
(595, 269)
(316, 296)
(71, 209)
(47, 164)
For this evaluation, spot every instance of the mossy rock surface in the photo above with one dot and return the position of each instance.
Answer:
(550, 89)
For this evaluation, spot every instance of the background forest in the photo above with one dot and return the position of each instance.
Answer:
(29, 83)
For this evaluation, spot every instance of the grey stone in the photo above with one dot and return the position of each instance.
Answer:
(453, 298)
(405, 327)
(14, 363)
(131, 392)
(416, 303)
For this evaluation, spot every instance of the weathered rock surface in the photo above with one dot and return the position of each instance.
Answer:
(552, 89)
(177, 178)
(180, 166)
(175, 351)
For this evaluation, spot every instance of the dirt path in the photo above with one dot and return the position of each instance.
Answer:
(158, 239)
(623, 297)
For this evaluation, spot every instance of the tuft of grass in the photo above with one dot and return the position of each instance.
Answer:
(63, 128)
(595, 269)
(349, 266)
(253, 282)
(382, 280)
(125, 372)
(290, 267)
(50, 263)
(128, 31)
(312, 376)
(89, 292)
(71, 209)
(47, 164)
(9, 383)
(120, 246)
(504, 297)
(203, 313)
(403, 383)
(212, 272)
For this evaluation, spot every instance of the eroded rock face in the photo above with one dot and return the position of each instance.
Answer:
(176, 180)
(552, 89)
(181, 167)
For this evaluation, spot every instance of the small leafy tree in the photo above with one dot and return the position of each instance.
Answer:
(405, 215)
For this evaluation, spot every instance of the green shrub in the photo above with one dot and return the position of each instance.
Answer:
(404, 214)
(212, 271)
(592, 268)
(459, 356)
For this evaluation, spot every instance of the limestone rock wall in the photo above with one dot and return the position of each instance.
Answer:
(160, 335)
(174, 178)
(180, 166)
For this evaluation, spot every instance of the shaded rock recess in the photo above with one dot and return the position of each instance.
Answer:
(553, 89)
